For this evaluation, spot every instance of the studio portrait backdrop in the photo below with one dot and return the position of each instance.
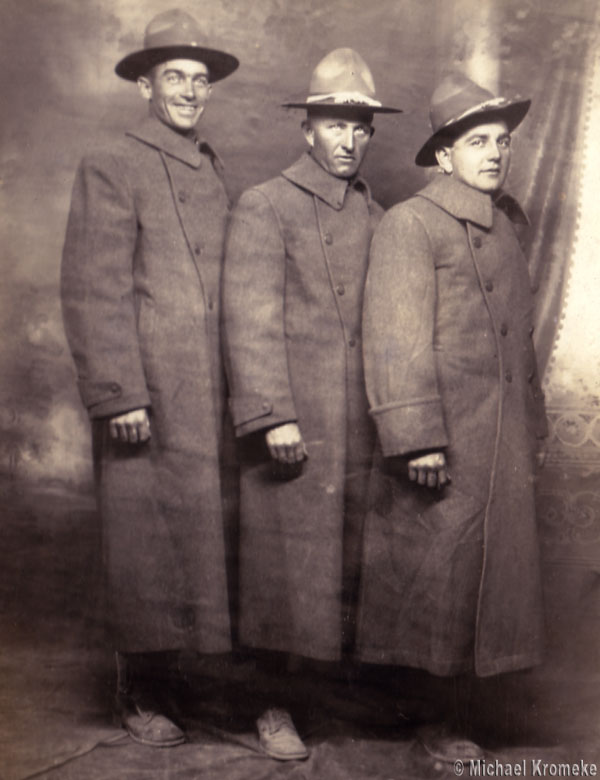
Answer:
(61, 98)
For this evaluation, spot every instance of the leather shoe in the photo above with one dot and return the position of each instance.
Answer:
(278, 737)
(447, 747)
(141, 717)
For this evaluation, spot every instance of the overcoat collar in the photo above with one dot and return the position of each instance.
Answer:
(155, 133)
(466, 203)
(308, 174)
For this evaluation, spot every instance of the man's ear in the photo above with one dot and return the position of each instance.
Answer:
(308, 132)
(444, 159)
(145, 87)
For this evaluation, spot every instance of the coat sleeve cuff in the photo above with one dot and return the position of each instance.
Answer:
(410, 427)
(107, 399)
(254, 414)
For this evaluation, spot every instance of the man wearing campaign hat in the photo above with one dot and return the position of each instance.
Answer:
(295, 266)
(141, 296)
(451, 579)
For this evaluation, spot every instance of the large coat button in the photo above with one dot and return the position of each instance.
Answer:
(477, 242)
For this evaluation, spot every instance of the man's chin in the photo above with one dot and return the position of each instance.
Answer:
(345, 171)
(184, 123)
(491, 184)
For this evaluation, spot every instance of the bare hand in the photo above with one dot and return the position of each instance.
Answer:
(131, 427)
(429, 470)
(285, 444)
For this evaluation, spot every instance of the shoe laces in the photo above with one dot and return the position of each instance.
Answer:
(278, 719)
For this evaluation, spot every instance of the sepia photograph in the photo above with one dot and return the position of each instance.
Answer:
(299, 389)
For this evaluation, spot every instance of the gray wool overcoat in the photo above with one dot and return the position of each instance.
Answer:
(294, 275)
(451, 579)
(140, 289)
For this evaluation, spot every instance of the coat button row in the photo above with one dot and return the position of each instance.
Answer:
(352, 342)
(328, 238)
(340, 289)
(182, 196)
(211, 304)
(508, 376)
(197, 249)
(503, 329)
(115, 388)
(489, 286)
(477, 242)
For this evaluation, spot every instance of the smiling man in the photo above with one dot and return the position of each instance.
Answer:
(141, 292)
(177, 91)
(295, 267)
(451, 579)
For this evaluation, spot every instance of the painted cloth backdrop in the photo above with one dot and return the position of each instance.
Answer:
(61, 98)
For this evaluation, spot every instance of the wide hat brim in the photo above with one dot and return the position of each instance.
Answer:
(344, 108)
(513, 112)
(219, 63)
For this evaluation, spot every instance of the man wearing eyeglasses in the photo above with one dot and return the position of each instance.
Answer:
(140, 289)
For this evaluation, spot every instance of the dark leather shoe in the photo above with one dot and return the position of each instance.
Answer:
(143, 720)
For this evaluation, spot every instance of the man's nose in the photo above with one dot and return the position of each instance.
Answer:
(187, 87)
(348, 139)
(494, 151)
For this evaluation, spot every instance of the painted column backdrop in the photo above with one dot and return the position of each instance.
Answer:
(60, 97)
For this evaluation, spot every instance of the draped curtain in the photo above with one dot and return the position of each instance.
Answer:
(550, 53)
(542, 52)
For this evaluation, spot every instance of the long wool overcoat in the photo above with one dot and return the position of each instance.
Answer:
(451, 578)
(295, 267)
(140, 288)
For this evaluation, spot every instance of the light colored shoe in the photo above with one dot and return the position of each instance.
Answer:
(144, 722)
(278, 737)
(448, 748)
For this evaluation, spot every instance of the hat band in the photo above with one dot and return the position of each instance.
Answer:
(345, 98)
(494, 103)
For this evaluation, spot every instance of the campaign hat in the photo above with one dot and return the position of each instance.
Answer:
(340, 82)
(175, 35)
(458, 104)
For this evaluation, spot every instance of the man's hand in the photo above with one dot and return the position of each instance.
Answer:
(429, 470)
(132, 427)
(285, 444)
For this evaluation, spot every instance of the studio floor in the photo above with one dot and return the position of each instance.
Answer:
(56, 685)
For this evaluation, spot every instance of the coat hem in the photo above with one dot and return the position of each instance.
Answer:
(321, 654)
(503, 665)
